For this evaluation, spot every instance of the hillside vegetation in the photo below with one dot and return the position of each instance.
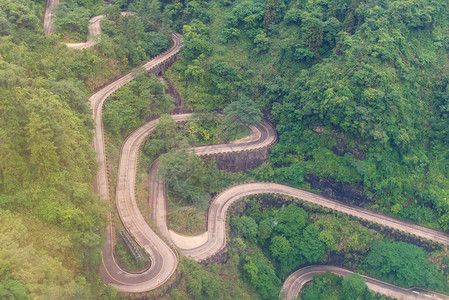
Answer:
(51, 219)
(357, 89)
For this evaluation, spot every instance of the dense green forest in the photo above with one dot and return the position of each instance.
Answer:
(330, 286)
(51, 218)
(358, 91)
(274, 238)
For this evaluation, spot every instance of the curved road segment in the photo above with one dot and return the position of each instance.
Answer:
(216, 222)
(262, 136)
(94, 31)
(94, 28)
(294, 283)
(164, 259)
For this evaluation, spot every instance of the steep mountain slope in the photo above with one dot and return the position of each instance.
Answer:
(358, 90)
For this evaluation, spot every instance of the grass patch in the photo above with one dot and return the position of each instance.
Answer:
(73, 37)
(241, 132)
(186, 219)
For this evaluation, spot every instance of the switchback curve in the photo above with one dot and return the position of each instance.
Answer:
(164, 259)
(93, 34)
(262, 136)
(216, 234)
(211, 242)
(295, 282)
(162, 268)
(94, 31)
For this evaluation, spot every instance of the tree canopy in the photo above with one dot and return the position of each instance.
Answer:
(403, 263)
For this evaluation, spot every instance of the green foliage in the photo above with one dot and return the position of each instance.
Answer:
(164, 138)
(89, 4)
(243, 110)
(331, 286)
(262, 276)
(404, 264)
(51, 218)
(290, 220)
(4, 24)
(311, 247)
(177, 13)
(351, 86)
(126, 259)
(285, 245)
(131, 38)
(246, 227)
(368, 105)
(290, 237)
(36, 259)
(206, 128)
(17, 16)
(358, 91)
(203, 128)
(133, 103)
(292, 175)
(149, 11)
(201, 285)
(284, 233)
(354, 288)
(266, 229)
(284, 252)
(262, 42)
(189, 176)
(343, 235)
(248, 15)
(195, 40)
(72, 18)
(11, 288)
(212, 281)
(48, 163)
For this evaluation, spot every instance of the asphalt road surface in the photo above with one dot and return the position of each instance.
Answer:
(164, 259)
(94, 31)
(294, 283)
(217, 216)
(263, 136)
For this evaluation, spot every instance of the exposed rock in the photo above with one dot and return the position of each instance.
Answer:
(241, 161)
(347, 193)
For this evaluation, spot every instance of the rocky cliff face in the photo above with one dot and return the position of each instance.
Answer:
(240, 161)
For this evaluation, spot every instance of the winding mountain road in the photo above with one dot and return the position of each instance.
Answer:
(93, 34)
(94, 31)
(164, 258)
(217, 216)
(294, 283)
(262, 136)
